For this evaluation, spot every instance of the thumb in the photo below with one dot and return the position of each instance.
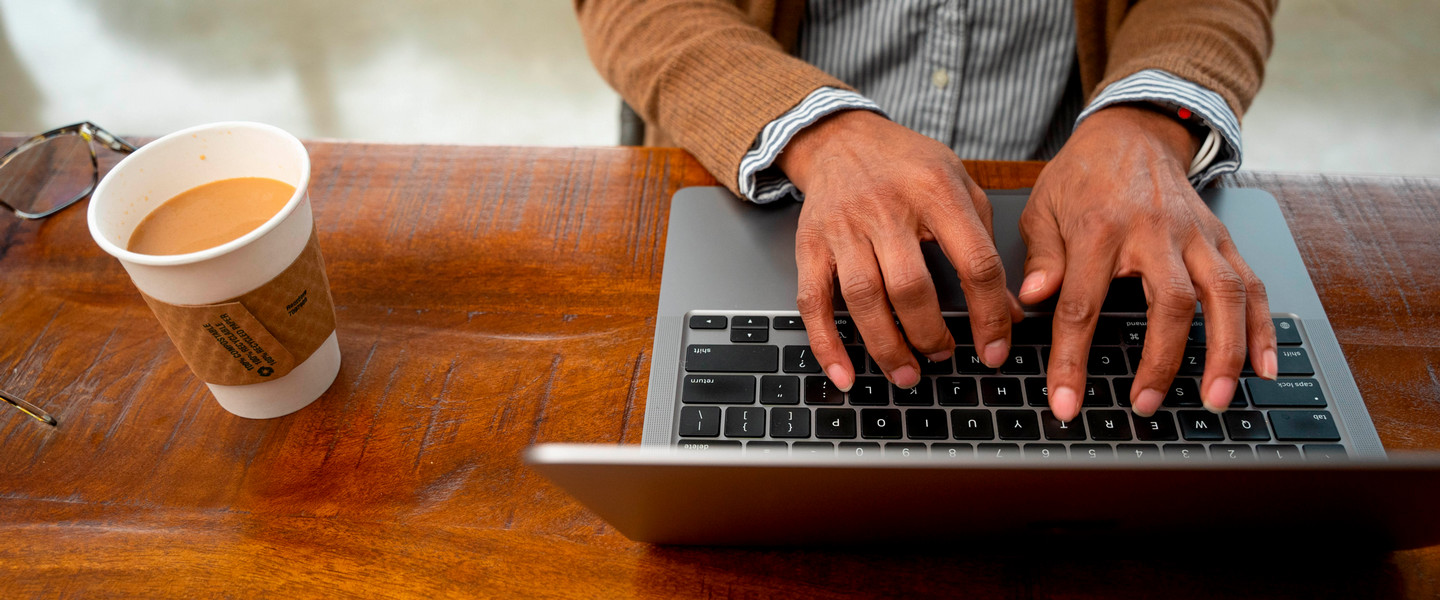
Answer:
(1044, 255)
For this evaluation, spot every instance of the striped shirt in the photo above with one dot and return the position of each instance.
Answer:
(991, 79)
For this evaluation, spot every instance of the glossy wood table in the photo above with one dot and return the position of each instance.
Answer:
(492, 298)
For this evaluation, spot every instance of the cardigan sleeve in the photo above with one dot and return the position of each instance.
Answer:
(700, 71)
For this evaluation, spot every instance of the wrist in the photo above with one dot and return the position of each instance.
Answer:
(803, 151)
(1153, 122)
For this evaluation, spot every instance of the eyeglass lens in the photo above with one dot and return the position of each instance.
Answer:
(45, 177)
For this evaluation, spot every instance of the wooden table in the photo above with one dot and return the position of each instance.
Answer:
(492, 298)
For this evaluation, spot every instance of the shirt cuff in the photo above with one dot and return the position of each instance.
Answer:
(760, 180)
(1160, 87)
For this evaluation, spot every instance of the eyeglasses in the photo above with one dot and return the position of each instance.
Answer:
(55, 169)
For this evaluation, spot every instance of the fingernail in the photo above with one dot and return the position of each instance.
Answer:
(1217, 398)
(995, 353)
(839, 377)
(939, 356)
(905, 377)
(1033, 283)
(1269, 365)
(1148, 401)
(1065, 403)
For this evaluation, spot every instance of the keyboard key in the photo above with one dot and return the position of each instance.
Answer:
(1022, 361)
(700, 421)
(971, 424)
(707, 322)
(789, 323)
(1285, 392)
(955, 451)
(798, 359)
(1192, 362)
(1135, 353)
(1324, 452)
(998, 451)
(732, 359)
(1184, 452)
(824, 449)
(920, 395)
(926, 424)
(1183, 392)
(1304, 426)
(1197, 333)
(897, 450)
(1277, 453)
(1001, 391)
(790, 423)
(1132, 331)
(726, 446)
(870, 391)
(718, 389)
(1122, 390)
(1059, 431)
(957, 391)
(1246, 426)
(968, 363)
(1097, 393)
(750, 322)
(859, 360)
(1017, 424)
(960, 330)
(1106, 361)
(1100, 452)
(1286, 333)
(820, 390)
(1137, 452)
(763, 448)
(749, 336)
(859, 450)
(1159, 428)
(880, 424)
(1108, 425)
(743, 422)
(1231, 452)
(1036, 392)
(1293, 361)
(1107, 332)
(846, 328)
(1201, 426)
(1045, 451)
(779, 389)
(1033, 331)
(835, 423)
(930, 367)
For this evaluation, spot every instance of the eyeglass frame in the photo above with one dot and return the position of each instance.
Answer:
(87, 131)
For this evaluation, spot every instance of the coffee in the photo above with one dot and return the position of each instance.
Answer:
(209, 215)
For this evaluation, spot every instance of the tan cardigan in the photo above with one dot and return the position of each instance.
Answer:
(708, 75)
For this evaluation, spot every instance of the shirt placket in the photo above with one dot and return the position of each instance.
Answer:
(939, 84)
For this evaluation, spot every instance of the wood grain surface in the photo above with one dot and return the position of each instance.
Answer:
(492, 298)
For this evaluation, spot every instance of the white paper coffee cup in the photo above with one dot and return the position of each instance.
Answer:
(184, 160)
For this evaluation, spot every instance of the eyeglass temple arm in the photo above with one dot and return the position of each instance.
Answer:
(110, 140)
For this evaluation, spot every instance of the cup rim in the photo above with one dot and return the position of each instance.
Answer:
(201, 255)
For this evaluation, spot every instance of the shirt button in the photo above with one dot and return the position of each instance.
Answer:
(940, 78)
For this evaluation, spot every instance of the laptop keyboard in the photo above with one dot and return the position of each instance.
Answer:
(748, 381)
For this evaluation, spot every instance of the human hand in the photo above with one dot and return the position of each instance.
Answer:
(873, 191)
(1115, 202)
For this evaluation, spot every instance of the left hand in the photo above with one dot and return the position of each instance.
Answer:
(1115, 202)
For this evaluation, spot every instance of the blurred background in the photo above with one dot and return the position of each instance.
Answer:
(1353, 85)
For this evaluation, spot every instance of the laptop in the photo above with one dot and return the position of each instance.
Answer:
(746, 443)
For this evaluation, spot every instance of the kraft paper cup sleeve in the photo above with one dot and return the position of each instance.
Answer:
(263, 334)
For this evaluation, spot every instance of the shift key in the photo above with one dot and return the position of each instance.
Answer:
(732, 359)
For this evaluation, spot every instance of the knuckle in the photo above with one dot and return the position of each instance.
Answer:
(1076, 313)
(1066, 363)
(1160, 365)
(909, 286)
(1254, 287)
(887, 351)
(983, 268)
(863, 292)
(1227, 286)
(1175, 298)
(812, 299)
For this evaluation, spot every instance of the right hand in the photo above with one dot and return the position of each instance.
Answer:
(873, 191)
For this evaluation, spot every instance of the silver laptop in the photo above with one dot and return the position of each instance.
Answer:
(746, 442)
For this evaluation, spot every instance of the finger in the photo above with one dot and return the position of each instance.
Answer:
(814, 300)
(1172, 310)
(864, 291)
(912, 293)
(1222, 294)
(1258, 326)
(1091, 263)
(1044, 255)
(967, 243)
